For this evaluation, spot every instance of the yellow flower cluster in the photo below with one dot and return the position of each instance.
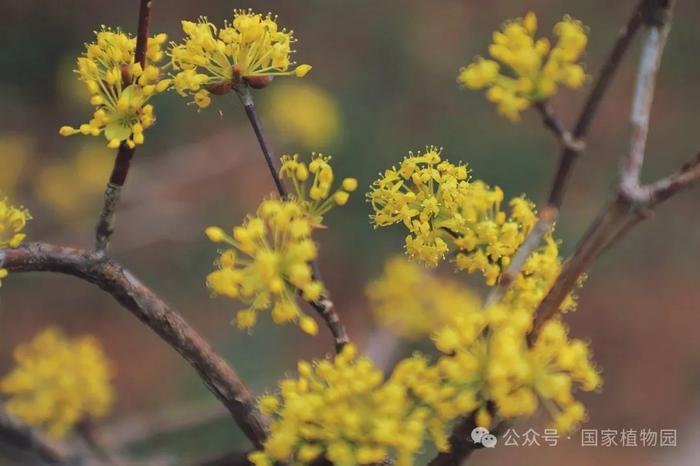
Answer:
(535, 68)
(342, 411)
(58, 382)
(486, 356)
(489, 238)
(399, 307)
(267, 263)
(120, 88)
(445, 212)
(212, 60)
(12, 222)
(312, 185)
(518, 376)
(425, 194)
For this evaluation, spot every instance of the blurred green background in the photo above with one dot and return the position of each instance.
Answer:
(383, 83)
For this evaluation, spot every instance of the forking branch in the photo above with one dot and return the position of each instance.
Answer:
(634, 201)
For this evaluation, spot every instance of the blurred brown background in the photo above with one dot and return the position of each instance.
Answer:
(383, 83)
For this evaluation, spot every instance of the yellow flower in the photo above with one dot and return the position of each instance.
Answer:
(490, 237)
(444, 211)
(303, 114)
(119, 87)
(398, 306)
(12, 222)
(57, 382)
(267, 263)
(252, 47)
(424, 194)
(535, 69)
(312, 185)
(344, 411)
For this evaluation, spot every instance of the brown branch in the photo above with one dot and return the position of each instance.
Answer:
(246, 97)
(634, 201)
(107, 218)
(553, 123)
(323, 306)
(15, 433)
(110, 276)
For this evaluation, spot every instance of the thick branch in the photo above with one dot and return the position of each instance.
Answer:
(18, 435)
(217, 375)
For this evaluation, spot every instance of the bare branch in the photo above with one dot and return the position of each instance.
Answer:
(631, 168)
(90, 266)
(107, 218)
(15, 433)
(272, 163)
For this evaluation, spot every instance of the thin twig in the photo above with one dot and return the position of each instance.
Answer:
(552, 122)
(531, 243)
(90, 266)
(107, 218)
(246, 97)
(323, 306)
(15, 433)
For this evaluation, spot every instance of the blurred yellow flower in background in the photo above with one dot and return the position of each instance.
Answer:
(303, 113)
(16, 150)
(398, 307)
(58, 381)
(72, 186)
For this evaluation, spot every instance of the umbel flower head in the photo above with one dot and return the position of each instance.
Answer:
(425, 194)
(344, 411)
(58, 381)
(486, 355)
(534, 69)
(267, 262)
(120, 87)
(12, 222)
(313, 184)
(212, 60)
(444, 211)
(399, 307)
